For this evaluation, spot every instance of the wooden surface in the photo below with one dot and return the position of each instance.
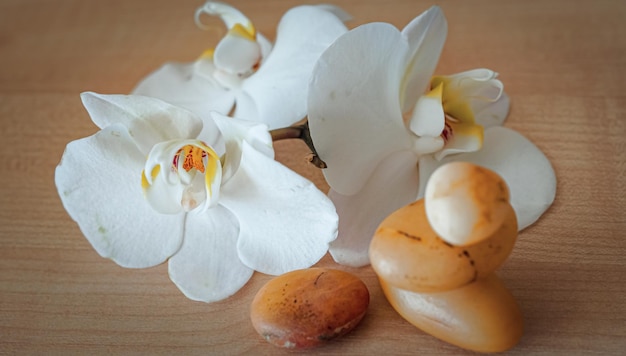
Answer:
(563, 64)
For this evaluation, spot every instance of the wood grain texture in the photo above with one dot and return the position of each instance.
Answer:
(563, 64)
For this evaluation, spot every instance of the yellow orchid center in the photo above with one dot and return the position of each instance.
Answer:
(194, 176)
(194, 158)
(460, 133)
(248, 32)
(436, 91)
(208, 53)
(455, 103)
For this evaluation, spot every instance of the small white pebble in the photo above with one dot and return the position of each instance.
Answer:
(465, 202)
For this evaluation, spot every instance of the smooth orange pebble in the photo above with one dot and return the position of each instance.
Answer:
(308, 307)
(482, 316)
(408, 254)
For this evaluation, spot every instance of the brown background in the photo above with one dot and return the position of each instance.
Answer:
(563, 64)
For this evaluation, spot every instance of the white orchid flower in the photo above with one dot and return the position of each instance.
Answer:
(244, 72)
(157, 183)
(375, 111)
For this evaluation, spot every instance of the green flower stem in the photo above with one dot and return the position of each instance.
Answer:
(299, 131)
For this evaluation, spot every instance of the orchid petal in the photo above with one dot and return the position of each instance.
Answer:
(265, 45)
(98, 181)
(428, 118)
(148, 120)
(207, 268)
(492, 113)
(246, 107)
(525, 169)
(336, 10)
(211, 135)
(273, 204)
(235, 132)
(228, 14)
(188, 85)
(478, 74)
(362, 213)
(426, 35)
(355, 118)
(279, 88)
